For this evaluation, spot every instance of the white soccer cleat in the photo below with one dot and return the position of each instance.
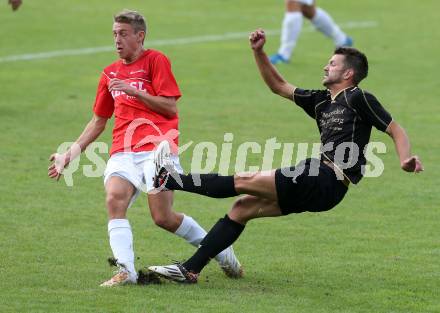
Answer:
(162, 154)
(164, 166)
(229, 263)
(175, 272)
(121, 278)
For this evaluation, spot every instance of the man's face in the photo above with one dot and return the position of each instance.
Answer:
(335, 71)
(127, 42)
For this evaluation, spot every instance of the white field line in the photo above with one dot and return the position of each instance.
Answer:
(164, 42)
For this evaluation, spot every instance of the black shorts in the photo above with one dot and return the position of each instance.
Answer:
(316, 193)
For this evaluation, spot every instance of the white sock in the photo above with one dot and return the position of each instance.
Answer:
(193, 233)
(325, 24)
(121, 242)
(290, 31)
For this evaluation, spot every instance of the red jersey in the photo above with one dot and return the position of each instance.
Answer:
(151, 73)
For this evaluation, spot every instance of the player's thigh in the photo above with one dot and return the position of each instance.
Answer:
(119, 192)
(249, 207)
(121, 179)
(259, 184)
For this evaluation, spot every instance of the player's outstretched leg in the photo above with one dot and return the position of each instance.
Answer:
(166, 178)
(260, 184)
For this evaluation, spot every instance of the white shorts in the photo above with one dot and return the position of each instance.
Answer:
(136, 167)
(305, 2)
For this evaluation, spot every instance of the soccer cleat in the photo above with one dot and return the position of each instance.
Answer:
(230, 264)
(121, 277)
(277, 58)
(164, 166)
(160, 179)
(175, 272)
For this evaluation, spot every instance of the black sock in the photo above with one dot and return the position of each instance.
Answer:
(210, 185)
(221, 236)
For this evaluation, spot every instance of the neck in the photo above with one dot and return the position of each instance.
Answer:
(337, 88)
(134, 56)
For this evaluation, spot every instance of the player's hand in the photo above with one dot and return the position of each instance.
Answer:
(59, 163)
(120, 85)
(412, 165)
(15, 4)
(257, 39)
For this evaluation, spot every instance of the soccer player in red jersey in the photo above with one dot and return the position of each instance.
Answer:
(141, 92)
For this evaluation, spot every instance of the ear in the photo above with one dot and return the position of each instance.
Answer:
(141, 36)
(348, 74)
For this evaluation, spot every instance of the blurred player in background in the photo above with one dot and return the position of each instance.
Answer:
(138, 87)
(15, 4)
(292, 24)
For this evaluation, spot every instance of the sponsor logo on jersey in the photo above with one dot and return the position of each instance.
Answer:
(138, 71)
(139, 85)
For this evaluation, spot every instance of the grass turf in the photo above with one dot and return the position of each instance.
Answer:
(378, 251)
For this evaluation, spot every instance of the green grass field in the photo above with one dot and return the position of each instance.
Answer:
(378, 251)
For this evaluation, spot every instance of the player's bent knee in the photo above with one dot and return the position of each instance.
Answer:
(167, 220)
(241, 212)
(116, 202)
(162, 221)
(308, 11)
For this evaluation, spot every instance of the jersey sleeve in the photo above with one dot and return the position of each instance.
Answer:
(370, 109)
(308, 99)
(163, 81)
(104, 103)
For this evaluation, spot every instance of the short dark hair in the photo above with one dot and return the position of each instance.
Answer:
(356, 60)
(135, 19)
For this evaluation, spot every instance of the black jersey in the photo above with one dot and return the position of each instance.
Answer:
(344, 124)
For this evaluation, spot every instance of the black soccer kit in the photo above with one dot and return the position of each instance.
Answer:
(344, 124)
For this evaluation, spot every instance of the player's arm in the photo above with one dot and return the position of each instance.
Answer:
(408, 162)
(270, 74)
(90, 133)
(163, 105)
(166, 106)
